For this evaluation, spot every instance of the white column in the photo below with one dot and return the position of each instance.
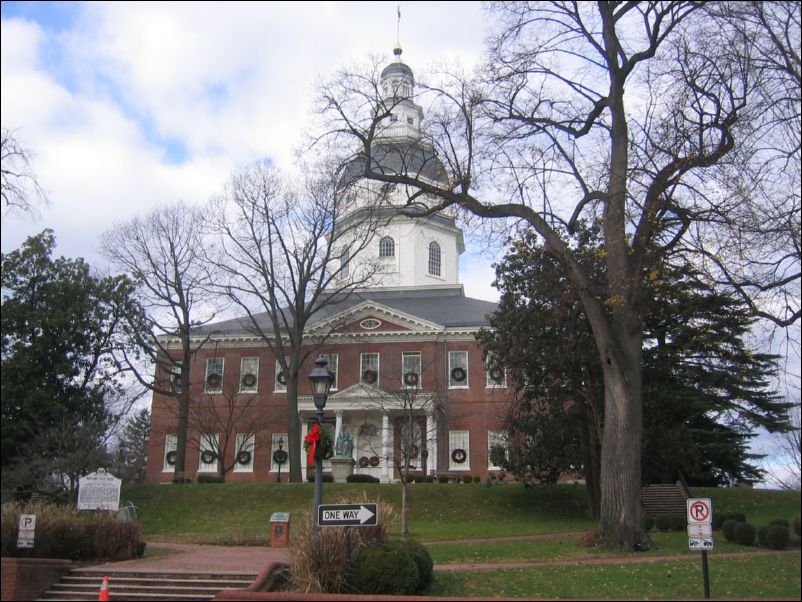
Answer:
(338, 425)
(385, 463)
(303, 453)
(431, 442)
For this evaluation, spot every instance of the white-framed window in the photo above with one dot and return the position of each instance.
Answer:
(496, 374)
(170, 445)
(213, 382)
(332, 368)
(459, 450)
(411, 376)
(209, 444)
(279, 444)
(457, 369)
(386, 247)
(175, 379)
(369, 368)
(249, 375)
(495, 438)
(435, 259)
(281, 380)
(244, 450)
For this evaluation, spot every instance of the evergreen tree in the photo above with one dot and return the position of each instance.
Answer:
(131, 461)
(705, 391)
(60, 325)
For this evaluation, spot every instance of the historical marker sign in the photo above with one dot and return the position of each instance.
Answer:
(347, 515)
(99, 491)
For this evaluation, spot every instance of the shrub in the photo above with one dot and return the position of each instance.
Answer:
(387, 568)
(798, 524)
(778, 537)
(719, 518)
(207, 478)
(648, 523)
(424, 561)
(744, 534)
(728, 529)
(477, 479)
(677, 523)
(763, 536)
(361, 478)
(327, 477)
(467, 479)
(663, 523)
(739, 517)
(326, 568)
(63, 532)
(783, 522)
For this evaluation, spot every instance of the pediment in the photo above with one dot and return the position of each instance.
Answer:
(360, 391)
(373, 317)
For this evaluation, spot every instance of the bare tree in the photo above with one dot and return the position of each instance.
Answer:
(785, 470)
(233, 420)
(164, 255)
(286, 257)
(20, 187)
(755, 250)
(619, 112)
(407, 403)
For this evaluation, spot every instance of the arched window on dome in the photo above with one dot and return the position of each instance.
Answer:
(386, 247)
(434, 259)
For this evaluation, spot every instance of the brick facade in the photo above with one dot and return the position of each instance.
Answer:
(476, 407)
(29, 578)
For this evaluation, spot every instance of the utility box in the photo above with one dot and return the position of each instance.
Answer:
(279, 530)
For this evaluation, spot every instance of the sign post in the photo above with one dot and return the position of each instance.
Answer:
(700, 533)
(348, 515)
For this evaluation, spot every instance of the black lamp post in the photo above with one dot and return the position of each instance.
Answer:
(321, 381)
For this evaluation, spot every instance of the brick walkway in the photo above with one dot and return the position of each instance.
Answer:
(193, 558)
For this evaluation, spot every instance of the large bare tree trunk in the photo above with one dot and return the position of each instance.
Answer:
(620, 521)
(293, 429)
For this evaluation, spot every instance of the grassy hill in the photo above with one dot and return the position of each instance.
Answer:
(239, 513)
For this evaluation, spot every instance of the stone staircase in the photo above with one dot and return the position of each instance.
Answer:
(665, 500)
(84, 584)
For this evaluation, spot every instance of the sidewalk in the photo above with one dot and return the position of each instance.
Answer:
(193, 558)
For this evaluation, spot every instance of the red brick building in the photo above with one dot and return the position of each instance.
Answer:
(408, 343)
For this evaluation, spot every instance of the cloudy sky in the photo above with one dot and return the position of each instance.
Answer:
(131, 105)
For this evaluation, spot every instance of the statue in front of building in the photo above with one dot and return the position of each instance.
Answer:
(345, 443)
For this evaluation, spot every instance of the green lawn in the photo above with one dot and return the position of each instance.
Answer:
(239, 513)
(441, 514)
(771, 577)
(564, 548)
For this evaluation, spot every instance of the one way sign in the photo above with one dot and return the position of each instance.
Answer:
(347, 515)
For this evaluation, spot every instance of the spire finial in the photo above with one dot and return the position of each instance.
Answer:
(397, 49)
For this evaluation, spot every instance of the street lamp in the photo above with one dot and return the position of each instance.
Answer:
(321, 381)
(281, 455)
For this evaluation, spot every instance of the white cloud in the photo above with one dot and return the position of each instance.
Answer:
(133, 104)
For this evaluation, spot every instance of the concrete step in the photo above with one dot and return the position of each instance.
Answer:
(84, 584)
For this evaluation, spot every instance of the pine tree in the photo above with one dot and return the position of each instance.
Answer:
(705, 391)
(131, 460)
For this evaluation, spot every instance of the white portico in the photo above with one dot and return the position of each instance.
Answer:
(375, 418)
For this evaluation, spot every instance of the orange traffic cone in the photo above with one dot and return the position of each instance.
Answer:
(104, 590)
